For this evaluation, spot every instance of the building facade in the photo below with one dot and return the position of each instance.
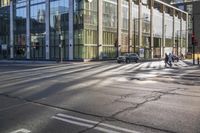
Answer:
(192, 7)
(94, 29)
(4, 28)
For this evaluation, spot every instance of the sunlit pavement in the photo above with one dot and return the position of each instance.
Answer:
(99, 97)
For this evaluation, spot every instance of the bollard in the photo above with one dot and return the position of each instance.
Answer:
(198, 60)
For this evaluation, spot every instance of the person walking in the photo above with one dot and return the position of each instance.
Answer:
(166, 59)
(170, 59)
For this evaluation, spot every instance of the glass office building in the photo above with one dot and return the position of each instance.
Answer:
(94, 29)
(192, 7)
(4, 29)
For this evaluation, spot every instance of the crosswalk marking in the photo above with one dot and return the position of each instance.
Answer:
(33, 72)
(107, 128)
(42, 77)
(63, 71)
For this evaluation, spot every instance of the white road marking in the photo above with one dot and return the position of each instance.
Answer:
(105, 130)
(89, 123)
(33, 72)
(84, 125)
(135, 67)
(42, 77)
(76, 118)
(21, 131)
(73, 122)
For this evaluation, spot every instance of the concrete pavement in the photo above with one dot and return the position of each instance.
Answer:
(101, 97)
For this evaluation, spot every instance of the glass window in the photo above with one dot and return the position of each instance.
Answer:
(37, 30)
(59, 12)
(20, 30)
(109, 28)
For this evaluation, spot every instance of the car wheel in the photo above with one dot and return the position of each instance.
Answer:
(118, 61)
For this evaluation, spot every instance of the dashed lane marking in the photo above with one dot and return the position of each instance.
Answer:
(22, 130)
(107, 128)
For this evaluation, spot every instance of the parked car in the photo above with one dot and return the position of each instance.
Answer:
(128, 57)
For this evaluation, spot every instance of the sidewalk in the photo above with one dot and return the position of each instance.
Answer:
(190, 62)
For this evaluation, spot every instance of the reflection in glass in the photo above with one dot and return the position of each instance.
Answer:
(110, 29)
(59, 12)
(85, 29)
(20, 29)
(37, 30)
(4, 31)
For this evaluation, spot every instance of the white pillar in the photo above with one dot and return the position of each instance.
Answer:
(47, 28)
(163, 33)
(174, 33)
(151, 28)
(119, 12)
(100, 28)
(28, 29)
(186, 35)
(130, 27)
(181, 30)
(71, 30)
(140, 24)
(11, 31)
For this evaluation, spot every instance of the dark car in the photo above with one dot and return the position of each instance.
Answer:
(128, 57)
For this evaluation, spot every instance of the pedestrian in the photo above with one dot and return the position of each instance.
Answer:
(170, 59)
(166, 59)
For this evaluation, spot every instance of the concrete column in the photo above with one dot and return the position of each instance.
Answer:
(140, 24)
(186, 35)
(100, 29)
(174, 33)
(151, 29)
(11, 31)
(47, 28)
(181, 30)
(71, 30)
(28, 29)
(130, 29)
(119, 12)
(164, 26)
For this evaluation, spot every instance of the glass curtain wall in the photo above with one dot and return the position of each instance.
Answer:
(4, 3)
(4, 32)
(90, 30)
(59, 12)
(124, 32)
(157, 29)
(20, 29)
(168, 30)
(37, 29)
(135, 17)
(146, 27)
(109, 28)
(79, 52)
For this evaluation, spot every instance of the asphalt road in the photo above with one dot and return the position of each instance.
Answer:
(99, 97)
